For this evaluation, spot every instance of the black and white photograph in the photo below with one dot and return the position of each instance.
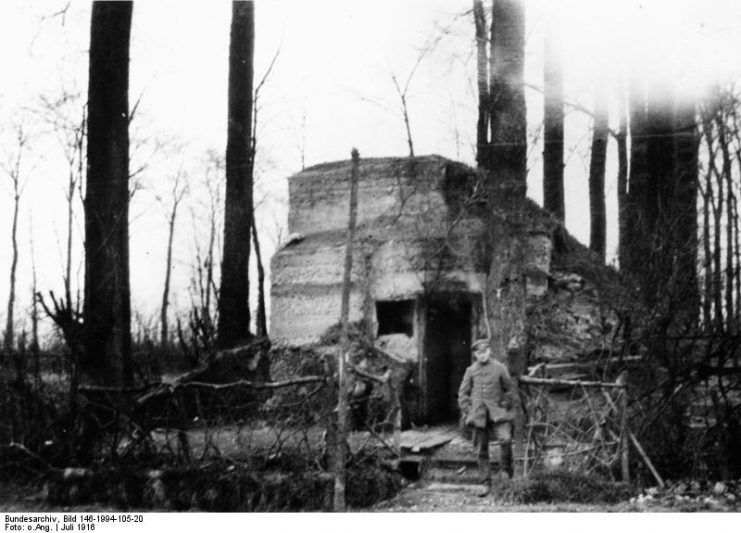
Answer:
(402, 258)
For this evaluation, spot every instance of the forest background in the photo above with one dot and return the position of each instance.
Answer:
(333, 75)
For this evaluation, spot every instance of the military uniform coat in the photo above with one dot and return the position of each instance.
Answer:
(484, 393)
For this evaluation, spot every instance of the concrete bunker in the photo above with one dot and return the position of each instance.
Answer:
(419, 268)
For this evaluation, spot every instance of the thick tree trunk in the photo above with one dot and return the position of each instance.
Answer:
(507, 164)
(553, 131)
(660, 200)
(597, 210)
(637, 243)
(686, 171)
(107, 308)
(234, 310)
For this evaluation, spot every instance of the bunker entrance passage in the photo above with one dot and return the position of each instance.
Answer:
(446, 355)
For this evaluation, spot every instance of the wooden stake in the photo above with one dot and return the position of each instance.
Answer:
(646, 460)
(624, 447)
(340, 473)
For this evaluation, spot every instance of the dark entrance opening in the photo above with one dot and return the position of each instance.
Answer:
(447, 354)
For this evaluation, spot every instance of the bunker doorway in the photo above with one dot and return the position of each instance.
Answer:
(447, 354)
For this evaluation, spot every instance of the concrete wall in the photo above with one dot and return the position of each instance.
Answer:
(302, 316)
(306, 286)
(319, 196)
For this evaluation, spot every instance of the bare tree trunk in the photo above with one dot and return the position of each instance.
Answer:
(659, 206)
(34, 310)
(166, 291)
(622, 184)
(234, 308)
(717, 250)
(74, 180)
(482, 79)
(707, 256)
(736, 227)
(342, 407)
(507, 165)
(261, 321)
(686, 149)
(214, 200)
(8, 343)
(210, 265)
(107, 310)
(553, 130)
(736, 261)
(708, 196)
(177, 196)
(726, 177)
(597, 210)
(707, 300)
(13, 170)
(70, 214)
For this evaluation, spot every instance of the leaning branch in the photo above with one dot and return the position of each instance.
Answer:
(161, 388)
(270, 385)
(543, 367)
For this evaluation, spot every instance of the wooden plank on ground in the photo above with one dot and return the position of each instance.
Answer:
(421, 441)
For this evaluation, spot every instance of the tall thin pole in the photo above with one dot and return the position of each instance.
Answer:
(624, 439)
(340, 474)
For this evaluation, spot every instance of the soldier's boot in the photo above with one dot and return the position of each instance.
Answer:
(507, 462)
(485, 470)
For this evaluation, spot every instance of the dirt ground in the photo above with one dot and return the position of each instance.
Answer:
(418, 498)
(410, 500)
(431, 498)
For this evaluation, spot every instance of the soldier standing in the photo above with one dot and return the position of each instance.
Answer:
(484, 400)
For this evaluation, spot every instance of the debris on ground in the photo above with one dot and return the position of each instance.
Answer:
(691, 495)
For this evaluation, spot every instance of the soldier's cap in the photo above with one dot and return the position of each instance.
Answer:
(480, 344)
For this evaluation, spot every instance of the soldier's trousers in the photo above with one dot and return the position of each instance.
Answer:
(502, 432)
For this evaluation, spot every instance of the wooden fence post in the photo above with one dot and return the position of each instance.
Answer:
(340, 473)
(624, 438)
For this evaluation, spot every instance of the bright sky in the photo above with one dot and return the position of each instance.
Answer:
(330, 89)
